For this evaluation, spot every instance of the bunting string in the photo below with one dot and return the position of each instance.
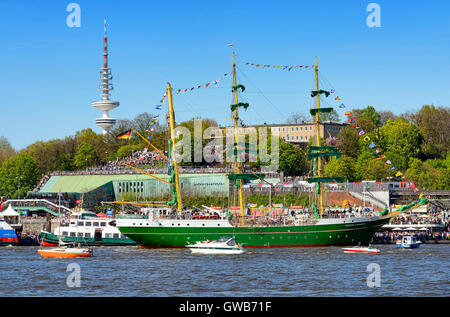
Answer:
(214, 83)
(376, 150)
(282, 67)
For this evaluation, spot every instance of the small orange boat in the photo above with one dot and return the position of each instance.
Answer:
(65, 252)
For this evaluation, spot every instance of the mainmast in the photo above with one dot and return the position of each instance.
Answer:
(317, 152)
(172, 135)
(319, 163)
(237, 165)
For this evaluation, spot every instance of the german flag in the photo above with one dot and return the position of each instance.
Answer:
(125, 135)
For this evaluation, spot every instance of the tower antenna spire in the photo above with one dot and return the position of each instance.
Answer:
(105, 49)
(105, 104)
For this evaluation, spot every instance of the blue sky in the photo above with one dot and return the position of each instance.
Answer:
(50, 71)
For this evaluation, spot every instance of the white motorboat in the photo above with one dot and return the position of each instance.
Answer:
(224, 245)
(360, 249)
(408, 242)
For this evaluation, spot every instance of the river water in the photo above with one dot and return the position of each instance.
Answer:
(284, 272)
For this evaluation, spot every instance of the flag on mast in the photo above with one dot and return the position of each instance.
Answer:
(124, 135)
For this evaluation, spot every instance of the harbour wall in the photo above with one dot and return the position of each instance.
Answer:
(36, 225)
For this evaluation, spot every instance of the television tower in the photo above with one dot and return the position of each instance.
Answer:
(105, 104)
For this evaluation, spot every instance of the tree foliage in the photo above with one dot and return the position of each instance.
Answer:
(18, 175)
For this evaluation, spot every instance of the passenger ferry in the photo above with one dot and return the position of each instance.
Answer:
(86, 227)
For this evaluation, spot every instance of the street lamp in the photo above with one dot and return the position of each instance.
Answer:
(18, 186)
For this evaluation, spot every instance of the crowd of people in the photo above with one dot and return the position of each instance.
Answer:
(27, 238)
(423, 236)
(420, 218)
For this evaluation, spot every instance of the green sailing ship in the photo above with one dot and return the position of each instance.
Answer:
(163, 227)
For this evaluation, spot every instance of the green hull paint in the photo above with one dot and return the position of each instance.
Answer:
(54, 239)
(274, 236)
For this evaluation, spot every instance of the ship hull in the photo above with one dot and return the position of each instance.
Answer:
(338, 234)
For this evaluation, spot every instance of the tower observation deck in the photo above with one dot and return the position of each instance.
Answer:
(105, 104)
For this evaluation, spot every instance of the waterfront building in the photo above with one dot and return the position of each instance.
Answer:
(301, 133)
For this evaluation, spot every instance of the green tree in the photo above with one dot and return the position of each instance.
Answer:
(350, 143)
(18, 175)
(292, 160)
(85, 156)
(344, 166)
(402, 138)
(444, 179)
(6, 150)
(424, 175)
(434, 124)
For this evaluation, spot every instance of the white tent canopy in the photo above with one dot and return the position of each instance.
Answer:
(10, 212)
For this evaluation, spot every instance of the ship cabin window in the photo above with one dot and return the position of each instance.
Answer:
(80, 234)
(103, 224)
(72, 234)
(116, 235)
(87, 235)
(72, 222)
(80, 223)
(95, 224)
(65, 233)
(88, 223)
(107, 235)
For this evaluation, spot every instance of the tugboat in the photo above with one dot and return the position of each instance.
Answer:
(408, 242)
(223, 245)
